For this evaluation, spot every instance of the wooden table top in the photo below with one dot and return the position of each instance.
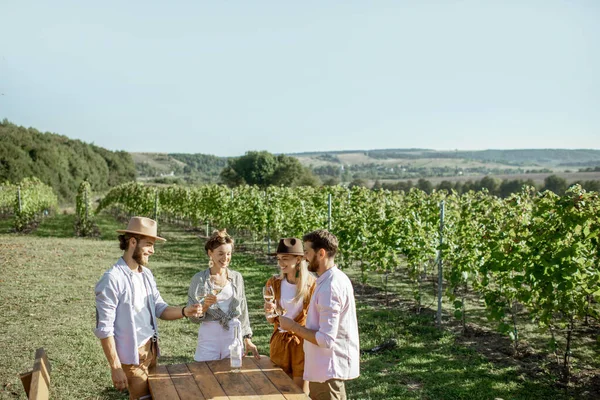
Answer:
(214, 380)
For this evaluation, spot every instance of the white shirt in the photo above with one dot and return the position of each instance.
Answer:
(292, 308)
(141, 312)
(114, 309)
(332, 312)
(225, 297)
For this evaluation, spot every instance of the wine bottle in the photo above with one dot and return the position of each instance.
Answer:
(235, 350)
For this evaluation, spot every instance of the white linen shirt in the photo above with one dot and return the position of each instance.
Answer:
(332, 313)
(115, 309)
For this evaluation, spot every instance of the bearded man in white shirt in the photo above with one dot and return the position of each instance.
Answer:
(127, 305)
(331, 344)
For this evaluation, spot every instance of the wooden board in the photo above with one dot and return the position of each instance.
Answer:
(235, 384)
(259, 381)
(184, 382)
(39, 387)
(205, 380)
(161, 386)
(280, 380)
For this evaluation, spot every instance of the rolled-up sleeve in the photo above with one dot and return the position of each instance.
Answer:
(330, 307)
(106, 306)
(245, 321)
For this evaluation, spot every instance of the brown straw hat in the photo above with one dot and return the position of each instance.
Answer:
(142, 226)
(291, 246)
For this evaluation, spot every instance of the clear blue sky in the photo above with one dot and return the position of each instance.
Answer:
(225, 77)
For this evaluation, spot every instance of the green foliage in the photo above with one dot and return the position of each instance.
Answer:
(263, 169)
(31, 200)
(537, 251)
(203, 166)
(84, 224)
(555, 184)
(60, 162)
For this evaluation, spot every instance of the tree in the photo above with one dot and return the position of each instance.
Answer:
(358, 182)
(445, 185)
(489, 183)
(308, 179)
(508, 187)
(288, 171)
(253, 168)
(425, 185)
(262, 168)
(331, 181)
(555, 184)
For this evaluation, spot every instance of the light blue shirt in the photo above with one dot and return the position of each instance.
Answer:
(115, 296)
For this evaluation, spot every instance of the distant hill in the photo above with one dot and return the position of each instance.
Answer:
(191, 168)
(63, 163)
(397, 164)
(385, 164)
(60, 162)
(521, 157)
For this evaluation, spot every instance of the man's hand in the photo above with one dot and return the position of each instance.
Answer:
(286, 323)
(251, 347)
(119, 378)
(194, 310)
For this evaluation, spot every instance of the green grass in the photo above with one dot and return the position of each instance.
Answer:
(46, 292)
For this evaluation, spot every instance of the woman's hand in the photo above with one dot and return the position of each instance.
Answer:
(269, 312)
(250, 347)
(286, 324)
(209, 301)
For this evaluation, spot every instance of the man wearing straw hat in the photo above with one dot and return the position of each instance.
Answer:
(127, 305)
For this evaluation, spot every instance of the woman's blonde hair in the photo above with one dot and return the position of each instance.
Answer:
(304, 279)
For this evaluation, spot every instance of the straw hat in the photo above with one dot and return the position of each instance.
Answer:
(291, 246)
(142, 226)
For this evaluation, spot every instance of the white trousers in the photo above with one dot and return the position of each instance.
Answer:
(214, 341)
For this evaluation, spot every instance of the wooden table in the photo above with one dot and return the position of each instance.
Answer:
(214, 380)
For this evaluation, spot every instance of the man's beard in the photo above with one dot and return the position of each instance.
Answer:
(138, 256)
(313, 264)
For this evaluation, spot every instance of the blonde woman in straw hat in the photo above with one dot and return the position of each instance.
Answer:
(127, 305)
(292, 289)
(221, 292)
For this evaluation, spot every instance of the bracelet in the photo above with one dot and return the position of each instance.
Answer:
(182, 312)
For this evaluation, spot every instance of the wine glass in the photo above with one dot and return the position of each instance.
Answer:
(280, 311)
(201, 293)
(269, 296)
(215, 289)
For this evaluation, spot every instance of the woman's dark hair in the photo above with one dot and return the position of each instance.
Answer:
(218, 238)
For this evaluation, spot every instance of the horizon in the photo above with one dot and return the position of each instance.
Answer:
(225, 79)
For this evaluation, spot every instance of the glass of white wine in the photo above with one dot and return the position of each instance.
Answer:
(201, 293)
(215, 289)
(269, 296)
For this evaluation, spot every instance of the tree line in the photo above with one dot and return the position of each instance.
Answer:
(60, 162)
(501, 188)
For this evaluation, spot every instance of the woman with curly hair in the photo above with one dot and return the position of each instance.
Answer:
(220, 290)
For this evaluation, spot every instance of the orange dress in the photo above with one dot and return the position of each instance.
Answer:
(286, 348)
